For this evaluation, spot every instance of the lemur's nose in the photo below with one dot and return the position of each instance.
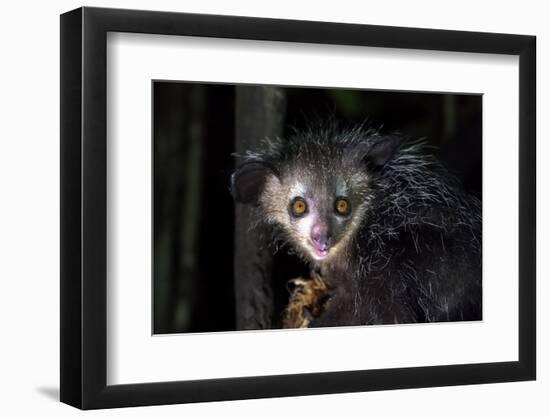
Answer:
(320, 236)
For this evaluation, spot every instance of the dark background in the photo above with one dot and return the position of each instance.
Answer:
(197, 127)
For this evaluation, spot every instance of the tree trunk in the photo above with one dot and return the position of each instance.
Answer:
(260, 113)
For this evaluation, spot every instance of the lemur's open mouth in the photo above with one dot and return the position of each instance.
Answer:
(320, 250)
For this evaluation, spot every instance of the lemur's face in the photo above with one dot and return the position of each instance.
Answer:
(317, 194)
(319, 215)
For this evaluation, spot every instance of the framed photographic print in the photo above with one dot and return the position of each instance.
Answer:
(257, 208)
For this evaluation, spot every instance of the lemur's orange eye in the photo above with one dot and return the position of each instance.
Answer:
(298, 207)
(342, 206)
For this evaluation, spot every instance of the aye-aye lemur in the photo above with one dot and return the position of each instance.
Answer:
(390, 235)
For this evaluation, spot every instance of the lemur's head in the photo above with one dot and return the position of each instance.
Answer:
(315, 187)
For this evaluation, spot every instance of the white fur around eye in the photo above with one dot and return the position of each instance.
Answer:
(304, 224)
(297, 190)
(341, 189)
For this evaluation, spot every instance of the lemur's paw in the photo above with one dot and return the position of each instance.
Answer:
(308, 297)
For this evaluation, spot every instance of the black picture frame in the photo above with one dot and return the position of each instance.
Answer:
(83, 207)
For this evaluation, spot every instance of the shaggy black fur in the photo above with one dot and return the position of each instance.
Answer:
(415, 256)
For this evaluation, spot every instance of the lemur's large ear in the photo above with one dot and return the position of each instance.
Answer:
(248, 181)
(381, 151)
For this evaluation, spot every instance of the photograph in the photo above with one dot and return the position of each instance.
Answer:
(324, 207)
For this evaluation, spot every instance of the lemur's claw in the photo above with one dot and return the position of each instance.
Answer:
(307, 301)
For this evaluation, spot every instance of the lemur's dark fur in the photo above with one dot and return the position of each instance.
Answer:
(409, 251)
